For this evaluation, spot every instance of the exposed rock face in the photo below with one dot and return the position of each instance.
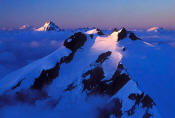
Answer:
(70, 87)
(103, 57)
(124, 48)
(46, 77)
(75, 41)
(92, 36)
(17, 85)
(133, 37)
(99, 32)
(114, 30)
(118, 80)
(122, 34)
(146, 102)
(95, 83)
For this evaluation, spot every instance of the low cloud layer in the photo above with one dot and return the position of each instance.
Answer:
(33, 104)
(19, 48)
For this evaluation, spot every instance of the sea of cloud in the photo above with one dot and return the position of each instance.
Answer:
(19, 48)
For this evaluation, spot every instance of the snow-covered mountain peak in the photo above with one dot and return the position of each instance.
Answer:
(155, 29)
(23, 27)
(86, 77)
(115, 30)
(121, 34)
(122, 30)
(95, 31)
(48, 26)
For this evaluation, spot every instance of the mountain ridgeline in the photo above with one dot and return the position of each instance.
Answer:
(85, 77)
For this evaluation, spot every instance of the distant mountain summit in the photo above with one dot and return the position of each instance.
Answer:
(48, 26)
(155, 29)
(95, 30)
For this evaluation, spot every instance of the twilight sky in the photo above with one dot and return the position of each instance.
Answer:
(83, 13)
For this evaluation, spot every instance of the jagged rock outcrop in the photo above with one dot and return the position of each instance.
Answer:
(114, 30)
(99, 32)
(122, 34)
(132, 36)
(75, 41)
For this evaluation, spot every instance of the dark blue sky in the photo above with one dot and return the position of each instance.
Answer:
(82, 13)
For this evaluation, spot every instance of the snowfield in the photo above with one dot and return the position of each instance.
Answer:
(96, 74)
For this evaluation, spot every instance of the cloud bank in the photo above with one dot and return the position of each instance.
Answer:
(19, 48)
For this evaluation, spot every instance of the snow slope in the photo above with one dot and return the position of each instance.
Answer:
(152, 67)
(91, 76)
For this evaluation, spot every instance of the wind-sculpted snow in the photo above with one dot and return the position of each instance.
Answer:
(87, 77)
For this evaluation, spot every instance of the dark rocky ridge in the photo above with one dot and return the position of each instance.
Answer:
(46, 77)
(95, 83)
(118, 80)
(114, 30)
(133, 37)
(92, 36)
(99, 32)
(101, 58)
(122, 34)
(75, 41)
(70, 87)
(17, 85)
(146, 101)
